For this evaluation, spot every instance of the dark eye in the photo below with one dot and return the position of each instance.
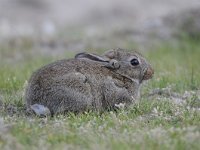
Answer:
(134, 62)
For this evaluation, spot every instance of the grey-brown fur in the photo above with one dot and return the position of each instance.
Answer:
(88, 83)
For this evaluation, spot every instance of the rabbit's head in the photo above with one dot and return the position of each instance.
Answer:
(131, 65)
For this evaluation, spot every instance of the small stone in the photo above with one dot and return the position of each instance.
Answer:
(11, 109)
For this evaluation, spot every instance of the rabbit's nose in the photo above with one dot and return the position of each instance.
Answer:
(148, 74)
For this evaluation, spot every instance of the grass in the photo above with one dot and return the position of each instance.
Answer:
(156, 122)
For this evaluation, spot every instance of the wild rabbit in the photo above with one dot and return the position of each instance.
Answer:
(89, 82)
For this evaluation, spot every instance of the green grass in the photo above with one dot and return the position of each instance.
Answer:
(156, 122)
(177, 64)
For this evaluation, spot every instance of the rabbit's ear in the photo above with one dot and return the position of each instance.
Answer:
(91, 57)
(111, 54)
(106, 62)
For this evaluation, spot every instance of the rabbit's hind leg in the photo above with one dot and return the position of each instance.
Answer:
(68, 93)
(66, 99)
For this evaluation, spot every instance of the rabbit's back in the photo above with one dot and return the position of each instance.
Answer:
(49, 74)
(66, 79)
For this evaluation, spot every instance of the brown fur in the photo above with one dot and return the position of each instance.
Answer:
(88, 83)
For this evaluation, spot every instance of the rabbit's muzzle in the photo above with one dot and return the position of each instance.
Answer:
(148, 73)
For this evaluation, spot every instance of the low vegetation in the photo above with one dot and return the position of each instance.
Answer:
(167, 117)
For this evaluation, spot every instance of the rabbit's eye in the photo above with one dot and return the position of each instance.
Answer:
(134, 62)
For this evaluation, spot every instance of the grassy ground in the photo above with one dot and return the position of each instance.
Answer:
(167, 117)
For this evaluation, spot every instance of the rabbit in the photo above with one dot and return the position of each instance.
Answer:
(89, 82)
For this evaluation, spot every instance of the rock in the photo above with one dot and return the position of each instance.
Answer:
(11, 109)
